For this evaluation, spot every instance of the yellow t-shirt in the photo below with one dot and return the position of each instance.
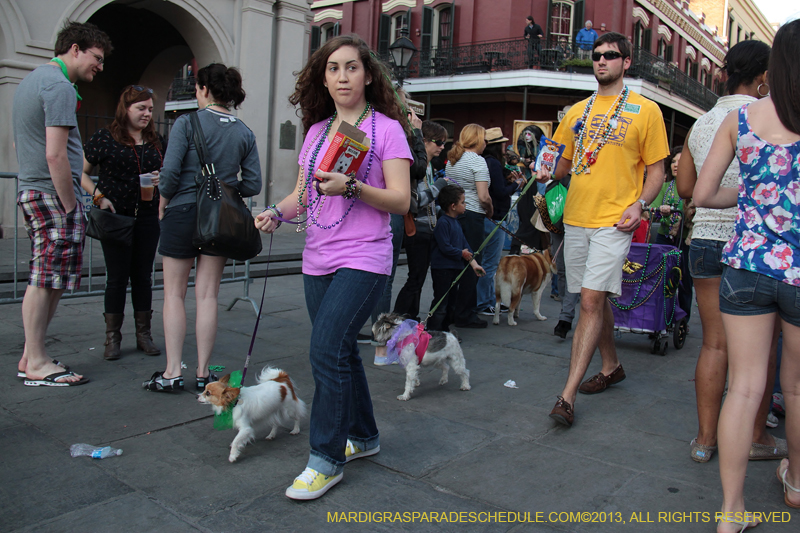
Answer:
(615, 181)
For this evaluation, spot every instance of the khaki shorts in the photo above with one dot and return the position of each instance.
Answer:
(594, 258)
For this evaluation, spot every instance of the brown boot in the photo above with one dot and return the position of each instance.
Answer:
(113, 335)
(144, 342)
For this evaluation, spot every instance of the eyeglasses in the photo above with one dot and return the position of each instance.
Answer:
(141, 89)
(608, 56)
(99, 59)
(437, 142)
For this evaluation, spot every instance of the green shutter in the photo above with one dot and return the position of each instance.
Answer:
(384, 30)
(315, 38)
(427, 27)
(577, 18)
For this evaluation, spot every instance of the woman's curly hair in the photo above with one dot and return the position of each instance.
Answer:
(315, 101)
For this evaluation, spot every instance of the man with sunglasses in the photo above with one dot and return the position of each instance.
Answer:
(611, 138)
(50, 158)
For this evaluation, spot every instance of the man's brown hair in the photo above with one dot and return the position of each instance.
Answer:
(85, 34)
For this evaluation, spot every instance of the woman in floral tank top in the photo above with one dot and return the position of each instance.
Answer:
(761, 280)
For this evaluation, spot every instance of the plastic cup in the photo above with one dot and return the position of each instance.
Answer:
(146, 186)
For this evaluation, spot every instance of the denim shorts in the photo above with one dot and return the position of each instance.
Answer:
(746, 293)
(177, 230)
(704, 258)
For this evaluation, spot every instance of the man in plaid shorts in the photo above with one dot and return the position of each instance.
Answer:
(50, 158)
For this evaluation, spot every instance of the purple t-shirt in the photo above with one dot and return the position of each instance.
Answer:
(363, 239)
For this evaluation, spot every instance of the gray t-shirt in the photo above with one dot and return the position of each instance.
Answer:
(232, 148)
(45, 98)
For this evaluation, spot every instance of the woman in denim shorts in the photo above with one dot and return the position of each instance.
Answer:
(760, 281)
(747, 64)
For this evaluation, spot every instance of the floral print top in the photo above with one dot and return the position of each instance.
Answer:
(767, 228)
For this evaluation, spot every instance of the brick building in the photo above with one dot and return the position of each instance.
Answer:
(473, 65)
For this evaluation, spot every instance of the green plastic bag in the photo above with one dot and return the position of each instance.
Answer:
(556, 196)
(225, 419)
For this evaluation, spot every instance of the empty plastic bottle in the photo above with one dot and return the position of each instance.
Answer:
(95, 452)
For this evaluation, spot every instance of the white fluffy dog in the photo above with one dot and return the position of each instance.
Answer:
(442, 349)
(272, 400)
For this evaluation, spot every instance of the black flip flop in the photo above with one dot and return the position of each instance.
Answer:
(51, 380)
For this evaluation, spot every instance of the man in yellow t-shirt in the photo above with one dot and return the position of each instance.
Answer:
(611, 138)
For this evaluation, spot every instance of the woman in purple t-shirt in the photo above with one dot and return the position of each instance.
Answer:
(348, 253)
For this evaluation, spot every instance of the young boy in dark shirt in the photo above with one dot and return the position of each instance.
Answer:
(450, 250)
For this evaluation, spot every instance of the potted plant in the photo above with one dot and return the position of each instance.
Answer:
(664, 82)
(579, 66)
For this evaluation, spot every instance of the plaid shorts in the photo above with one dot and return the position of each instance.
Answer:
(56, 240)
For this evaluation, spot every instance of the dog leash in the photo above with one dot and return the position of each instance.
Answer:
(513, 236)
(258, 317)
(479, 250)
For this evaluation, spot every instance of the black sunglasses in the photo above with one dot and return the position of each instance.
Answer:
(437, 142)
(141, 89)
(609, 56)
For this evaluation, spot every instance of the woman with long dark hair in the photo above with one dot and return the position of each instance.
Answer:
(761, 278)
(746, 65)
(232, 149)
(348, 254)
(129, 147)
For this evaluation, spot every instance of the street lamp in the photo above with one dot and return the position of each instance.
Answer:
(402, 51)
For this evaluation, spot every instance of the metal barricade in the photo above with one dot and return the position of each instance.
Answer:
(17, 295)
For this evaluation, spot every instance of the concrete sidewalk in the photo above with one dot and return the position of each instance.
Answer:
(490, 450)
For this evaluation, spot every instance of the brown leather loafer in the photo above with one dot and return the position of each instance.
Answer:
(600, 382)
(563, 413)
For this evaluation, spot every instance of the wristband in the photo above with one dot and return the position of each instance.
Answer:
(96, 199)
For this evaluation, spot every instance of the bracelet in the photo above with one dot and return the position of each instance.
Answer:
(96, 199)
(350, 188)
(360, 188)
(275, 211)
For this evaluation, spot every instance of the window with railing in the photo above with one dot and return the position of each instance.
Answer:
(561, 21)
(664, 50)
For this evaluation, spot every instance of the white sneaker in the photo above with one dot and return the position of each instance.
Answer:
(772, 421)
(310, 485)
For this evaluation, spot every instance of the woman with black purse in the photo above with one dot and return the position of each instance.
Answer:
(231, 147)
(129, 147)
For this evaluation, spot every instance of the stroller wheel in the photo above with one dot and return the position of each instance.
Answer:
(657, 347)
(679, 334)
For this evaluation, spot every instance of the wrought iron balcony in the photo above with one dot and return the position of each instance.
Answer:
(181, 89)
(517, 54)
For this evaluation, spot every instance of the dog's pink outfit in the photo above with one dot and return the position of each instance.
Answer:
(412, 332)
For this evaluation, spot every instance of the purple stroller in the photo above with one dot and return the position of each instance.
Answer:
(649, 301)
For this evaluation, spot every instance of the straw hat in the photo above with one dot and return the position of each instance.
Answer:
(495, 135)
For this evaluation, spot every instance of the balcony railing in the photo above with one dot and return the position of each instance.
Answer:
(181, 89)
(517, 54)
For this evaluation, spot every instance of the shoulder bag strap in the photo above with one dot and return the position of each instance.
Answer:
(206, 167)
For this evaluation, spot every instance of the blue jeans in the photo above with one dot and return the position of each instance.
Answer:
(745, 293)
(489, 261)
(384, 304)
(338, 305)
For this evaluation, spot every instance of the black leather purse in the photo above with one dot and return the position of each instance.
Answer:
(225, 225)
(107, 226)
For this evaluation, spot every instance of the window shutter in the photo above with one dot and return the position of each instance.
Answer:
(548, 24)
(337, 29)
(452, 23)
(577, 18)
(647, 39)
(384, 30)
(315, 38)
(427, 27)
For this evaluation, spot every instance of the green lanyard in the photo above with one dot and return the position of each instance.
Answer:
(64, 70)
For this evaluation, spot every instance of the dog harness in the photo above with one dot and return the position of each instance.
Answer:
(409, 332)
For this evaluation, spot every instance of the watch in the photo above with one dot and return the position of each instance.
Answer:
(643, 204)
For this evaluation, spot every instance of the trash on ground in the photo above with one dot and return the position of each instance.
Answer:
(511, 384)
(95, 452)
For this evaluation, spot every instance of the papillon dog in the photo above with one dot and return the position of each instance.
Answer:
(273, 400)
(443, 351)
